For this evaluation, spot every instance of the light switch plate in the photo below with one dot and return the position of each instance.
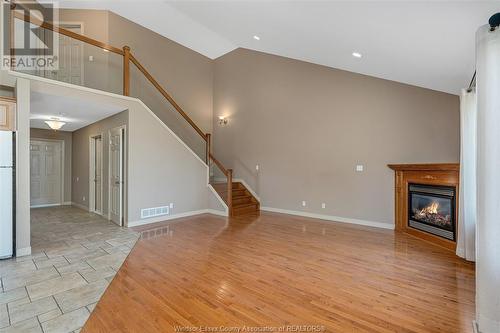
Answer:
(303, 203)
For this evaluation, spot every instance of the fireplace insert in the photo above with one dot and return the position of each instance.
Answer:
(431, 208)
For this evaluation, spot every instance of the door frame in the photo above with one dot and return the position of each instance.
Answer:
(92, 154)
(123, 172)
(63, 174)
(71, 25)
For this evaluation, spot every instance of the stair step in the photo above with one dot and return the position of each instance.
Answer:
(242, 200)
(245, 209)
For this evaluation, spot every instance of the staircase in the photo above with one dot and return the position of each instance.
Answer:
(244, 203)
(240, 201)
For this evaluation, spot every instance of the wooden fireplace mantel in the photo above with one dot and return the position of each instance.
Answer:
(446, 174)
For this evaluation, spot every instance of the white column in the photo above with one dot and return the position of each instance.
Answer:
(488, 180)
(23, 227)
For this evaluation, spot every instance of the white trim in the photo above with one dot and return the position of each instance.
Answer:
(217, 212)
(475, 329)
(85, 208)
(331, 218)
(46, 205)
(63, 168)
(172, 217)
(67, 203)
(226, 209)
(109, 94)
(236, 180)
(124, 171)
(92, 154)
(25, 251)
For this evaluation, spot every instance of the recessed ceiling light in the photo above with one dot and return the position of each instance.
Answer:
(357, 55)
(256, 37)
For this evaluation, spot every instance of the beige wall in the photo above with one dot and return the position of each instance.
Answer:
(308, 126)
(81, 158)
(185, 74)
(66, 137)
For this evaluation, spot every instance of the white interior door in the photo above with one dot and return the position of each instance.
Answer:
(95, 195)
(116, 164)
(70, 59)
(46, 173)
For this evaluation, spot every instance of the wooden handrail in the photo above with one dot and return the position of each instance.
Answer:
(68, 33)
(127, 58)
(166, 95)
(219, 164)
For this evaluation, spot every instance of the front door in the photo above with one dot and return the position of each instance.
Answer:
(116, 165)
(46, 173)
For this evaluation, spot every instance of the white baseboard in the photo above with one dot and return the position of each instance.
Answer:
(331, 218)
(475, 329)
(45, 206)
(26, 251)
(214, 192)
(67, 203)
(175, 216)
(85, 208)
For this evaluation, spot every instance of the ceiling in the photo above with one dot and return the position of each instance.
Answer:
(429, 44)
(75, 112)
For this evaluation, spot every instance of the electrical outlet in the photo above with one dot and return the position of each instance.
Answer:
(91, 58)
(323, 205)
(77, 179)
(303, 203)
(257, 167)
(360, 168)
(84, 198)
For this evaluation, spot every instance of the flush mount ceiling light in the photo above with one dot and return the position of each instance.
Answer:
(357, 55)
(256, 37)
(55, 123)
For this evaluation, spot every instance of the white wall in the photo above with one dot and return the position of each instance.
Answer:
(23, 227)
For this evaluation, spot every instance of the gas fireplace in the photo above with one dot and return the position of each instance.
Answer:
(431, 208)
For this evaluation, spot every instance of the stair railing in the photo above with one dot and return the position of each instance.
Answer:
(128, 57)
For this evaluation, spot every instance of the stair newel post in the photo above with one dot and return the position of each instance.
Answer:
(126, 71)
(207, 148)
(230, 191)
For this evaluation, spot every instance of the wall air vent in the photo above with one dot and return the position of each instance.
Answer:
(147, 213)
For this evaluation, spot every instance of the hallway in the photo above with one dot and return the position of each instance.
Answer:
(75, 255)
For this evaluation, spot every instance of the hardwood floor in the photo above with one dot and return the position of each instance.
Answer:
(274, 270)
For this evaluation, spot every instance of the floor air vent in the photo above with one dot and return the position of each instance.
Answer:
(153, 212)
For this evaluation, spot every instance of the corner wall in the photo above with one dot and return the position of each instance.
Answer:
(81, 158)
(308, 126)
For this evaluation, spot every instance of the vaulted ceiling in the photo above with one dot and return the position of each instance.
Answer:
(429, 44)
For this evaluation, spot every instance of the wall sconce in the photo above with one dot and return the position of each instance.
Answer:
(222, 120)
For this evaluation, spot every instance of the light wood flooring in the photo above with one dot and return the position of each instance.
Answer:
(273, 270)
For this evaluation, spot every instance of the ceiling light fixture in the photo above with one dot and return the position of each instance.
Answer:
(256, 37)
(357, 55)
(55, 123)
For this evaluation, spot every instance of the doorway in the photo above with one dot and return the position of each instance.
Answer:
(46, 169)
(95, 174)
(116, 175)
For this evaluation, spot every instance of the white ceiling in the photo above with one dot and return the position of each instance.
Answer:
(424, 43)
(76, 112)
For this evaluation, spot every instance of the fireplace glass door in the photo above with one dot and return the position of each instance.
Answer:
(432, 209)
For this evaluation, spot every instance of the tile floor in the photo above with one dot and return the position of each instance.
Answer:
(75, 255)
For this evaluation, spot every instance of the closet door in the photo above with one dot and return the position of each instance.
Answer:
(46, 173)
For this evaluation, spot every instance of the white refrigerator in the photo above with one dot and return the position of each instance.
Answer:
(6, 194)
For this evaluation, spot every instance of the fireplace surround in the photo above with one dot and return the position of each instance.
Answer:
(426, 201)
